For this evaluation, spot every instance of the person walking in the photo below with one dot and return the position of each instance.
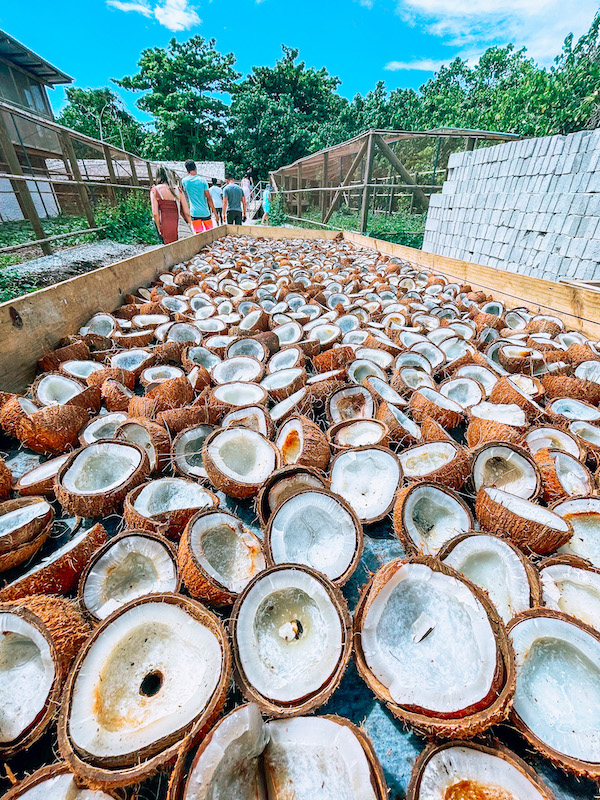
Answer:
(266, 204)
(217, 197)
(233, 203)
(246, 188)
(168, 203)
(200, 200)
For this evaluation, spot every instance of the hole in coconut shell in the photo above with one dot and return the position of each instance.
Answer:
(151, 683)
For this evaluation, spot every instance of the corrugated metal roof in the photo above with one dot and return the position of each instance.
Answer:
(17, 53)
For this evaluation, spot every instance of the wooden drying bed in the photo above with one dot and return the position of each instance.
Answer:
(32, 325)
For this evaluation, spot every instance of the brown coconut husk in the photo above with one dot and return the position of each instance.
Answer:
(89, 399)
(174, 393)
(576, 354)
(283, 392)
(432, 431)
(159, 438)
(124, 376)
(78, 351)
(530, 536)
(6, 481)
(422, 408)
(482, 431)
(107, 775)
(469, 722)
(52, 429)
(132, 339)
(321, 389)
(11, 414)
(498, 750)
(23, 552)
(552, 488)
(59, 575)
(397, 433)
(170, 524)
(334, 358)
(506, 392)
(31, 530)
(452, 475)
(96, 505)
(313, 701)
(314, 450)
(116, 396)
(577, 388)
(287, 473)
(178, 419)
(199, 583)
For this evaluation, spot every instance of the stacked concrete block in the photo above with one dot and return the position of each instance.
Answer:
(530, 206)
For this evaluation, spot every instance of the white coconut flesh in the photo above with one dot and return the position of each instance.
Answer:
(461, 771)
(160, 374)
(253, 417)
(364, 368)
(12, 521)
(379, 357)
(463, 391)
(409, 425)
(558, 685)
(493, 565)
(61, 787)
(426, 458)
(136, 433)
(289, 635)
(81, 369)
(312, 757)
(314, 528)
(203, 357)
(101, 467)
(589, 371)
(103, 427)
(242, 455)
(573, 409)
(385, 391)
(149, 673)
(55, 390)
(149, 320)
(416, 378)
(325, 334)
(100, 324)
(362, 432)
(428, 639)
(289, 333)
(584, 516)
(528, 510)
(281, 378)
(238, 368)
(554, 438)
(504, 468)
(367, 480)
(572, 475)
(66, 548)
(27, 405)
(132, 567)
(282, 408)
(239, 393)
(228, 766)
(187, 452)
(481, 374)
(439, 400)
(182, 332)
(27, 673)
(590, 433)
(246, 347)
(225, 550)
(431, 517)
(170, 494)
(285, 359)
(507, 413)
(351, 403)
(46, 470)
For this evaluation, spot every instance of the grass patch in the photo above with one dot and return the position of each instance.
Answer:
(13, 285)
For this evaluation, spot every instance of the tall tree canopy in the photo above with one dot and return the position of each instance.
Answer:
(98, 113)
(185, 88)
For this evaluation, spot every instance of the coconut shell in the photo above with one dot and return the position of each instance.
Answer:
(262, 507)
(59, 576)
(482, 431)
(174, 393)
(133, 339)
(504, 392)
(116, 397)
(178, 419)
(530, 536)
(170, 352)
(398, 514)
(320, 390)
(432, 431)
(31, 530)
(89, 399)
(397, 433)
(315, 450)
(149, 760)
(453, 475)
(552, 488)
(334, 358)
(231, 487)
(29, 782)
(102, 504)
(335, 445)
(51, 430)
(490, 711)
(197, 580)
(170, 524)
(11, 414)
(78, 351)
(422, 408)
(23, 552)
(143, 407)
(313, 701)
(6, 481)
(578, 388)
(124, 376)
(159, 438)
(576, 354)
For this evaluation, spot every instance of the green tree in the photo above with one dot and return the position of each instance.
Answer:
(185, 88)
(98, 113)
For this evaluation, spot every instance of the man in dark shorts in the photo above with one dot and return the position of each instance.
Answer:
(233, 202)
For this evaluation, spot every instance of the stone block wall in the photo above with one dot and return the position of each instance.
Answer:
(530, 206)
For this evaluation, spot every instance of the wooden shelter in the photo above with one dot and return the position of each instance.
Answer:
(348, 172)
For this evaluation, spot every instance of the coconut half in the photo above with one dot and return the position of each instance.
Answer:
(464, 391)
(573, 587)
(239, 460)
(96, 479)
(165, 505)
(101, 428)
(583, 514)
(456, 770)
(132, 565)
(154, 439)
(40, 480)
(508, 467)
(443, 462)
(245, 758)
(301, 441)
(351, 403)
(433, 648)
(218, 556)
(357, 433)
(426, 516)
(318, 529)
(506, 414)
(367, 478)
(498, 568)
(291, 639)
(186, 455)
(557, 699)
(151, 673)
(284, 483)
(563, 475)
(54, 782)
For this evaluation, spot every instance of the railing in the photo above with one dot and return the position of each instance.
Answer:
(256, 194)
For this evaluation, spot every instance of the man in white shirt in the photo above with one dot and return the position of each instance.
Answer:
(217, 197)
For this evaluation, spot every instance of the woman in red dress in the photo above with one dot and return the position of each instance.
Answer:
(167, 204)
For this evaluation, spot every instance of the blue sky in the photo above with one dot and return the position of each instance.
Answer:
(361, 41)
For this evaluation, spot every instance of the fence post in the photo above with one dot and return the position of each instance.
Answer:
(69, 151)
(134, 176)
(111, 174)
(299, 194)
(20, 188)
(366, 192)
(323, 194)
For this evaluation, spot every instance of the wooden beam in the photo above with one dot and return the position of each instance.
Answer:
(299, 195)
(150, 176)
(20, 188)
(345, 182)
(111, 174)
(323, 195)
(420, 199)
(69, 152)
(366, 193)
(134, 176)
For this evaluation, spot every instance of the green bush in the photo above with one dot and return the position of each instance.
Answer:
(130, 221)
(276, 215)
(13, 285)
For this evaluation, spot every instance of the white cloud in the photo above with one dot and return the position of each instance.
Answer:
(539, 25)
(419, 65)
(176, 15)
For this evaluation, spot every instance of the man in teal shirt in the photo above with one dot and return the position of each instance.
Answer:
(199, 199)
